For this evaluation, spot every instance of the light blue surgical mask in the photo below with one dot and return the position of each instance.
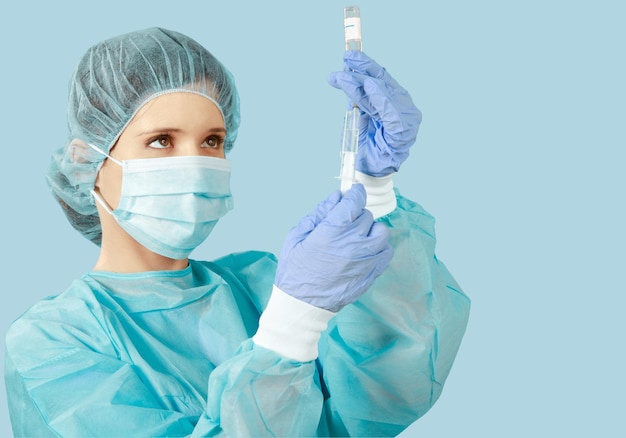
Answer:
(171, 204)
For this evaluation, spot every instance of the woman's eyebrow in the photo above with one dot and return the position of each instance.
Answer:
(169, 130)
(159, 131)
(218, 129)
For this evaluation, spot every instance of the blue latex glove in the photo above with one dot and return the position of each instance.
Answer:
(389, 119)
(335, 253)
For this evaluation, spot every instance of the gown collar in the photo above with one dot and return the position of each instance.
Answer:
(156, 290)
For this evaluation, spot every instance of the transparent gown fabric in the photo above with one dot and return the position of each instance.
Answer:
(170, 354)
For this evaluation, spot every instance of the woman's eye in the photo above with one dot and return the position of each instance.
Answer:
(160, 142)
(213, 142)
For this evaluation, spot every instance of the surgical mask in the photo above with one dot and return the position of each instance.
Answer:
(170, 205)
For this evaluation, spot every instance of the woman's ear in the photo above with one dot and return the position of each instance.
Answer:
(80, 152)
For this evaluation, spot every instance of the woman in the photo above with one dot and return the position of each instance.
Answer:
(151, 343)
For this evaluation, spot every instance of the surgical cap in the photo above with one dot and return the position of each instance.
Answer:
(113, 80)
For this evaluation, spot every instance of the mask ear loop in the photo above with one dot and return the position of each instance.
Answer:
(101, 201)
(115, 160)
(95, 195)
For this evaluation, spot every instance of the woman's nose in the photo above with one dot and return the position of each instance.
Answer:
(189, 147)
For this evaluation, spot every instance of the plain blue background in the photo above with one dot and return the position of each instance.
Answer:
(520, 157)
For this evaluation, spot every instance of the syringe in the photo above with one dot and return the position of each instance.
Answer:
(350, 140)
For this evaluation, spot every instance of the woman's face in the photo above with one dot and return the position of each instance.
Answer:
(174, 124)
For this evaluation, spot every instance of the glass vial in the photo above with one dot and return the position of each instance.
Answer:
(352, 27)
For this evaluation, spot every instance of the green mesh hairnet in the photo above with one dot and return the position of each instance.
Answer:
(113, 80)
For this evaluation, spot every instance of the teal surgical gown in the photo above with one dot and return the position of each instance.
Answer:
(169, 353)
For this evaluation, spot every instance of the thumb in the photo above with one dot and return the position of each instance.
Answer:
(349, 208)
(313, 219)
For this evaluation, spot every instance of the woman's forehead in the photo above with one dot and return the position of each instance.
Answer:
(178, 108)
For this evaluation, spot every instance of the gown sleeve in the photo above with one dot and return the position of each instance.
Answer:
(386, 357)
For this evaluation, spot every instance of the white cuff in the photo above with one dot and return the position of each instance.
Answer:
(381, 199)
(291, 327)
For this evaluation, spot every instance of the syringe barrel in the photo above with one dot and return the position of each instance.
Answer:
(352, 27)
(349, 148)
(350, 141)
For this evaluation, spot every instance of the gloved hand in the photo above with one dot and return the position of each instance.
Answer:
(335, 253)
(389, 119)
